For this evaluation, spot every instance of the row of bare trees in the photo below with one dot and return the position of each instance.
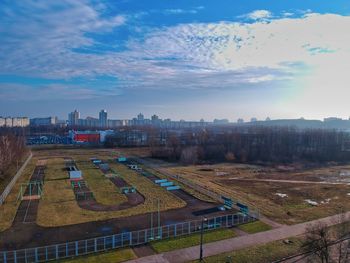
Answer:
(12, 149)
(255, 144)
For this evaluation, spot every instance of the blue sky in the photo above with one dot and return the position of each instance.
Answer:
(181, 59)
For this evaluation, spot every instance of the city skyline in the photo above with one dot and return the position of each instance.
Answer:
(189, 60)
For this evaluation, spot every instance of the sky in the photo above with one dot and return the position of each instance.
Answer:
(183, 59)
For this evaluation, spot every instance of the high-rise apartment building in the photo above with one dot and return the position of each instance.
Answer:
(73, 118)
(103, 118)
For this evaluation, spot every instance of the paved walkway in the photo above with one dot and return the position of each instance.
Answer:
(211, 249)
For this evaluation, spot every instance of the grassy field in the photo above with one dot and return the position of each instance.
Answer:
(192, 240)
(58, 207)
(289, 210)
(117, 256)
(55, 170)
(189, 190)
(254, 227)
(105, 192)
(263, 253)
(9, 208)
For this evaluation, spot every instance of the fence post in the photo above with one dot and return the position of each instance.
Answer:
(175, 230)
(36, 254)
(113, 241)
(56, 252)
(86, 247)
(15, 256)
(46, 256)
(76, 248)
(4, 256)
(130, 238)
(67, 250)
(122, 239)
(95, 244)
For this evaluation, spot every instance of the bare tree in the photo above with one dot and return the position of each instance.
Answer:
(318, 239)
(12, 149)
(329, 244)
(340, 231)
(189, 155)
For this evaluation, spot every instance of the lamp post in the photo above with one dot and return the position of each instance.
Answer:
(204, 219)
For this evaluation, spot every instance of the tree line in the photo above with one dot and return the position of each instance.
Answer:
(244, 144)
(12, 149)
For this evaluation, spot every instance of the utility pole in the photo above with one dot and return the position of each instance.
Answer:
(158, 207)
(201, 244)
(152, 223)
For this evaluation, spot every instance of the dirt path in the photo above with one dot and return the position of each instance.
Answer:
(28, 208)
(284, 181)
(223, 246)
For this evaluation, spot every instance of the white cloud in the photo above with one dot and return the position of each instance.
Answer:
(39, 36)
(17, 92)
(258, 15)
(180, 11)
(287, 14)
(223, 55)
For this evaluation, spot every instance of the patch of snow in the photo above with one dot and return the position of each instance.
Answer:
(326, 201)
(221, 173)
(344, 173)
(310, 202)
(281, 195)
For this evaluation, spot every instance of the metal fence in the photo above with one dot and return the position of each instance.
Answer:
(126, 239)
(9, 187)
(215, 196)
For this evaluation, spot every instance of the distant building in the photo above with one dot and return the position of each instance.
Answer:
(8, 122)
(20, 122)
(222, 121)
(103, 118)
(43, 121)
(154, 118)
(88, 122)
(253, 119)
(14, 122)
(89, 137)
(240, 121)
(332, 119)
(140, 117)
(268, 119)
(85, 137)
(2, 122)
(73, 118)
(117, 123)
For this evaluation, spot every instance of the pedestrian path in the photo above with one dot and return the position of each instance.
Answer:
(211, 249)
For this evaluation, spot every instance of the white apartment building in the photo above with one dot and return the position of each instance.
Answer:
(14, 122)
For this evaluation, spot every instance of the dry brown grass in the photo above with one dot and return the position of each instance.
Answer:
(290, 210)
(9, 208)
(58, 207)
(105, 192)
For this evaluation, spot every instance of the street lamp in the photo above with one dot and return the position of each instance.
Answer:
(204, 219)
